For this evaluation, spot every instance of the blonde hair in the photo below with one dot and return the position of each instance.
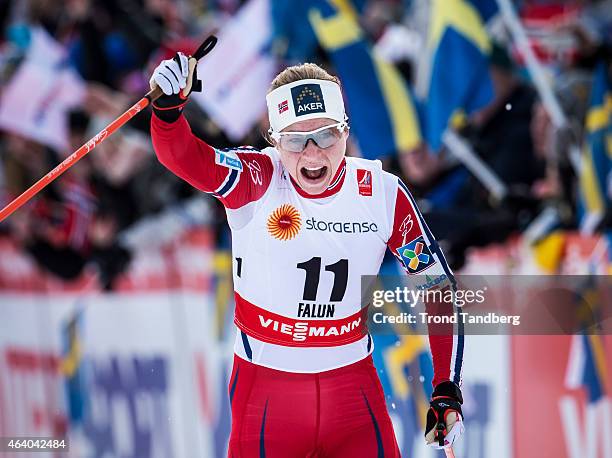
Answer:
(301, 72)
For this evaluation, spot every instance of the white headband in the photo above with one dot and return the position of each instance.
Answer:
(304, 99)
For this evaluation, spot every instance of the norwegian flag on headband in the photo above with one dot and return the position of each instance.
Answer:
(283, 106)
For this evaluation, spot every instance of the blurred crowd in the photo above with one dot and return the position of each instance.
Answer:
(77, 222)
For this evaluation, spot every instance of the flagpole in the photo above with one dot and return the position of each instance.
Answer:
(462, 150)
(536, 71)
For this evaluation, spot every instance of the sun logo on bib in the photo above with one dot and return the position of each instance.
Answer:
(285, 222)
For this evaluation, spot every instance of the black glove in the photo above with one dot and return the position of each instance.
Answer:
(444, 417)
(177, 78)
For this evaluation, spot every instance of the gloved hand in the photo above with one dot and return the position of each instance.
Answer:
(177, 78)
(444, 417)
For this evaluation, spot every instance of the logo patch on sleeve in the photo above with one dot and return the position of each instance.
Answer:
(228, 159)
(307, 98)
(416, 256)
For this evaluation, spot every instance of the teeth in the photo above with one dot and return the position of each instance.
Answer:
(313, 169)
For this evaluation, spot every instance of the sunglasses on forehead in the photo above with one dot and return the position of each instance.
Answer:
(323, 137)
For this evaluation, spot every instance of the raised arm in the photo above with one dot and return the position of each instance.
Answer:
(235, 176)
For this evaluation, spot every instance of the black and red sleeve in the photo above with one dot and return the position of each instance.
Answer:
(413, 244)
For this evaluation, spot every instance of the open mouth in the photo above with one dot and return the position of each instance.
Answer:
(313, 173)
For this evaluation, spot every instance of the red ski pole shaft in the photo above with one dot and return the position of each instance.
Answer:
(109, 130)
(79, 154)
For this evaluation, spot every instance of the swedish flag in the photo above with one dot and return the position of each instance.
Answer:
(596, 171)
(293, 36)
(71, 367)
(594, 374)
(380, 104)
(455, 74)
(588, 364)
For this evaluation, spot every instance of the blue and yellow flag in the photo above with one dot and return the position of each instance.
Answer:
(588, 368)
(594, 373)
(71, 367)
(457, 73)
(596, 168)
(292, 33)
(380, 106)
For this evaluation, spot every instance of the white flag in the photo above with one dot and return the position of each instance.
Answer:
(236, 75)
(36, 101)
